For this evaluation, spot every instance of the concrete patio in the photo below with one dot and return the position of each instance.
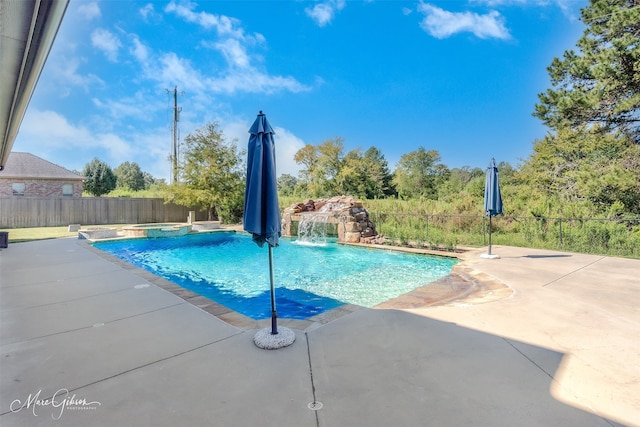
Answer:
(86, 341)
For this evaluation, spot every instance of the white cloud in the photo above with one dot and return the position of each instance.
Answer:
(152, 148)
(147, 10)
(224, 25)
(442, 23)
(51, 130)
(135, 107)
(103, 131)
(49, 134)
(287, 145)
(139, 50)
(323, 13)
(107, 42)
(494, 3)
(253, 81)
(234, 53)
(570, 8)
(170, 69)
(89, 10)
(66, 72)
(71, 145)
(240, 75)
(175, 70)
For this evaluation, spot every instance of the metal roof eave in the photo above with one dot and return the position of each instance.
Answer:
(28, 29)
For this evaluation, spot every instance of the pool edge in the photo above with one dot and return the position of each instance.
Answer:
(462, 284)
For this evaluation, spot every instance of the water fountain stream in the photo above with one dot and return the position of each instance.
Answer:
(312, 229)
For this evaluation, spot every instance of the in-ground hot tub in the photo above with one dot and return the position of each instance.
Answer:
(95, 233)
(157, 230)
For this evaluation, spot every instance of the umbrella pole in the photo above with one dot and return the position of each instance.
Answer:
(274, 316)
(489, 234)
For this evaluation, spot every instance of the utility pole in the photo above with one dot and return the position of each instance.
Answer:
(174, 151)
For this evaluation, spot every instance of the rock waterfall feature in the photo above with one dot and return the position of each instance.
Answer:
(341, 216)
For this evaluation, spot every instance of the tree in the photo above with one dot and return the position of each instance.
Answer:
(419, 174)
(330, 155)
(307, 156)
(458, 180)
(329, 163)
(584, 165)
(322, 166)
(130, 176)
(379, 182)
(99, 178)
(364, 175)
(352, 176)
(327, 171)
(286, 184)
(212, 174)
(598, 86)
(149, 180)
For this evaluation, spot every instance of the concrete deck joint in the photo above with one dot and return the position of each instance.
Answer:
(572, 272)
(313, 405)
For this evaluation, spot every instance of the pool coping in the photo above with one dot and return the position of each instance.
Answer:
(463, 285)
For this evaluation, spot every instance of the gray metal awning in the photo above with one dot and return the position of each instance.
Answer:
(27, 31)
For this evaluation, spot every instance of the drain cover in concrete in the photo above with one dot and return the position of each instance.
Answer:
(315, 405)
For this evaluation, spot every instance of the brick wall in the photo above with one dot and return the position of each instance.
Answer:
(40, 188)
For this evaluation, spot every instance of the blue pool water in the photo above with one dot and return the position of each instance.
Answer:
(233, 271)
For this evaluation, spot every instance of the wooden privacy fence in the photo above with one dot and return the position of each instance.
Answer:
(18, 212)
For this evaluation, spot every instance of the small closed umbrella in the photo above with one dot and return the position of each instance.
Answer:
(262, 215)
(492, 197)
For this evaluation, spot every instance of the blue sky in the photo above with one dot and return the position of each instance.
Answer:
(459, 77)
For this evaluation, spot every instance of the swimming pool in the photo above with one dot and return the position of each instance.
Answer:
(230, 269)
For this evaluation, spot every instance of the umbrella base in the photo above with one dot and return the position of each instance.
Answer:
(264, 339)
(492, 256)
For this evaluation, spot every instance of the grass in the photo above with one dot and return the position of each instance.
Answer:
(17, 235)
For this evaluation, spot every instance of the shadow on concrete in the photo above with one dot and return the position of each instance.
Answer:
(548, 256)
(388, 367)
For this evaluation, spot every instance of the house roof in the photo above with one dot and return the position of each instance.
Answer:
(27, 166)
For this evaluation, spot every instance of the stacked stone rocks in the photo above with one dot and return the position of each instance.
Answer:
(354, 225)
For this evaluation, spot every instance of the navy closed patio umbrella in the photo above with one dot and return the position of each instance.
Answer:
(261, 209)
(262, 214)
(492, 197)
